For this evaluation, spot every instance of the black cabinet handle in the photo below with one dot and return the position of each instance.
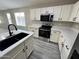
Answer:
(26, 47)
(67, 47)
(23, 50)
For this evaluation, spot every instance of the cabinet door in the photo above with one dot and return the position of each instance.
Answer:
(36, 32)
(54, 36)
(64, 53)
(32, 14)
(37, 14)
(65, 12)
(20, 55)
(56, 12)
(29, 46)
(49, 10)
(61, 42)
(74, 12)
(77, 19)
(42, 10)
(14, 51)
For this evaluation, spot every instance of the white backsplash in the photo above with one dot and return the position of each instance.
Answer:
(39, 23)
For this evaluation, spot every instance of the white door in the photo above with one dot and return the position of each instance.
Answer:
(65, 12)
(56, 12)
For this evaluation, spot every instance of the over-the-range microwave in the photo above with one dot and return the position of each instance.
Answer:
(46, 18)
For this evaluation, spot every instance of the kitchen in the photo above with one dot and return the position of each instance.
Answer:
(31, 29)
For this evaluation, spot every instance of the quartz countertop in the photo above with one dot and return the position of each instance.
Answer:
(70, 35)
(2, 53)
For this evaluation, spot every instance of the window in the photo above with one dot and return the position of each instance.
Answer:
(9, 18)
(20, 18)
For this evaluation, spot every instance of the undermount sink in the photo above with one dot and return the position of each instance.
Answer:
(11, 40)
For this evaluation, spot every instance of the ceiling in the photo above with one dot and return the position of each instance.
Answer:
(9, 4)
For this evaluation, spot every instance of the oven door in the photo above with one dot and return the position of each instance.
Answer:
(44, 33)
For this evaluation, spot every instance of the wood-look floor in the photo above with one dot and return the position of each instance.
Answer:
(44, 50)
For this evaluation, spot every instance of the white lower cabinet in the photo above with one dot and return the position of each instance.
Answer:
(36, 32)
(22, 51)
(64, 53)
(64, 46)
(28, 46)
(61, 42)
(20, 55)
(14, 53)
(54, 36)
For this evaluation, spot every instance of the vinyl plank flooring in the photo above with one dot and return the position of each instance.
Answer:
(45, 50)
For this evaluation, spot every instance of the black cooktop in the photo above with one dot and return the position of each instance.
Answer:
(46, 27)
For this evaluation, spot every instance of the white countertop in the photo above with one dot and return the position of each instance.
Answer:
(2, 53)
(69, 34)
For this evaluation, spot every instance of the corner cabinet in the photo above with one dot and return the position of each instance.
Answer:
(22, 51)
(75, 12)
(65, 12)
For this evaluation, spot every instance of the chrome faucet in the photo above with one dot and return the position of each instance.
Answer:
(10, 33)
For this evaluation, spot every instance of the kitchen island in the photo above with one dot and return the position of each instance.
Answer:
(21, 49)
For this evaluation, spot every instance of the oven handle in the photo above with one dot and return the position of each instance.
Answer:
(44, 30)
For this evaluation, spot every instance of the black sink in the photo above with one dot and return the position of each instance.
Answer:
(10, 41)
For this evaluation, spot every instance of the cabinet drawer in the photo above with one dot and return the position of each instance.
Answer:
(15, 50)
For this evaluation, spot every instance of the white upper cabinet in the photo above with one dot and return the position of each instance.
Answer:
(77, 15)
(65, 12)
(32, 14)
(43, 10)
(75, 12)
(46, 10)
(37, 14)
(56, 12)
(77, 19)
(60, 12)
(49, 10)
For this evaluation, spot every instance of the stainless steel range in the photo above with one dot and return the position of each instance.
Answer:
(45, 31)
